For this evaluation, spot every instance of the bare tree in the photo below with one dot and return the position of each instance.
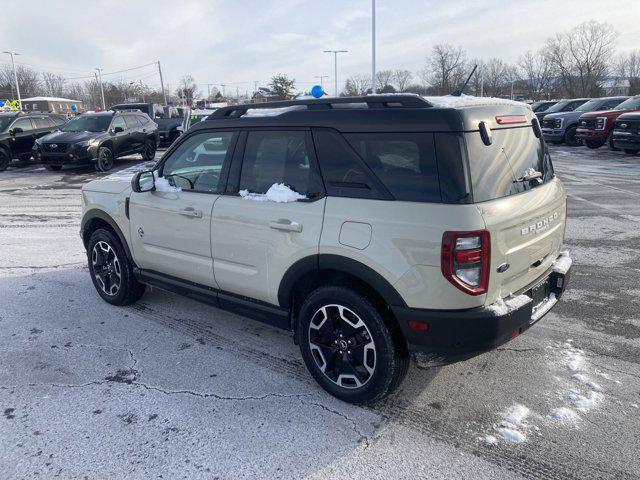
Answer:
(187, 89)
(53, 84)
(402, 79)
(495, 76)
(581, 57)
(445, 68)
(28, 79)
(627, 67)
(536, 70)
(384, 80)
(357, 85)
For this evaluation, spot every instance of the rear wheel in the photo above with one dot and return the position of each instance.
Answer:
(630, 151)
(594, 143)
(5, 159)
(111, 272)
(570, 137)
(149, 152)
(53, 168)
(105, 159)
(349, 347)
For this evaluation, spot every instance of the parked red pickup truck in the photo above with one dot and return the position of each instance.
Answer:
(596, 128)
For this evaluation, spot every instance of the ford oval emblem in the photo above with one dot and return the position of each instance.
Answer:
(503, 268)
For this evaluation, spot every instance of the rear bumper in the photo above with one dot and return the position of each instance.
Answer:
(588, 134)
(453, 335)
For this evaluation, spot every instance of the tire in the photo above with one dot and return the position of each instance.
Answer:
(570, 137)
(104, 163)
(609, 142)
(630, 151)
(149, 152)
(5, 159)
(110, 269)
(330, 319)
(53, 168)
(594, 143)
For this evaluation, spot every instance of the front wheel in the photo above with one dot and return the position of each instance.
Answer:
(149, 152)
(630, 151)
(53, 168)
(348, 347)
(111, 271)
(609, 141)
(105, 159)
(570, 137)
(5, 159)
(594, 143)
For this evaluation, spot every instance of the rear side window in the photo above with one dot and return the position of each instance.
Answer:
(496, 170)
(279, 157)
(43, 122)
(404, 162)
(132, 121)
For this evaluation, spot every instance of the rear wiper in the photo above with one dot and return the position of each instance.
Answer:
(530, 174)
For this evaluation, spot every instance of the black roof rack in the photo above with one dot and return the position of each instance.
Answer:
(372, 101)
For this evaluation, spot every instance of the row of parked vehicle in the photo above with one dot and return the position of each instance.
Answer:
(593, 122)
(92, 138)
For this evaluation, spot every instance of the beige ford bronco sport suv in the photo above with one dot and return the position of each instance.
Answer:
(370, 227)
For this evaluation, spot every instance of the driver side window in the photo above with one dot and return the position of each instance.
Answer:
(119, 122)
(196, 164)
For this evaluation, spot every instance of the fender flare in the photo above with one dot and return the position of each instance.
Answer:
(100, 214)
(315, 263)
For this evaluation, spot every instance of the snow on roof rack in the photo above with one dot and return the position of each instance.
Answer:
(372, 101)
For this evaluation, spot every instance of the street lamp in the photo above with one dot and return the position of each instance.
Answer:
(321, 77)
(335, 65)
(99, 71)
(15, 76)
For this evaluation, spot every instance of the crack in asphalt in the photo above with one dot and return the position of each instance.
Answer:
(362, 437)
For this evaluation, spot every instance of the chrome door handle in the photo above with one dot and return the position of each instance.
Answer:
(191, 212)
(286, 225)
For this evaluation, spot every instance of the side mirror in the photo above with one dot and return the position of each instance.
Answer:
(180, 129)
(143, 182)
(16, 130)
(118, 129)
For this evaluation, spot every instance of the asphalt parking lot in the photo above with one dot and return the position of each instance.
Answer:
(170, 388)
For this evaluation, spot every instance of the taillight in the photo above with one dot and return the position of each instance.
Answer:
(466, 259)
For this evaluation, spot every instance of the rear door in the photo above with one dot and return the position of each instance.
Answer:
(121, 140)
(170, 228)
(525, 218)
(136, 137)
(256, 237)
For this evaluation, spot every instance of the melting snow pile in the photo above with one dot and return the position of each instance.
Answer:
(564, 414)
(563, 264)
(278, 192)
(449, 101)
(163, 185)
(272, 112)
(502, 307)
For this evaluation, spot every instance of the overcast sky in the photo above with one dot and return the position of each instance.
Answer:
(238, 42)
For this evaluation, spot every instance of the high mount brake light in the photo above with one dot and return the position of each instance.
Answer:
(465, 260)
(510, 119)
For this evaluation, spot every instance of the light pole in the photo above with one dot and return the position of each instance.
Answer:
(99, 70)
(335, 65)
(373, 46)
(321, 77)
(164, 95)
(15, 76)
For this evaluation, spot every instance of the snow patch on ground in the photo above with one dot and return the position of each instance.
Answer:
(515, 415)
(584, 403)
(503, 307)
(511, 435)
(489, 440)
(278, 192)
(564, 414)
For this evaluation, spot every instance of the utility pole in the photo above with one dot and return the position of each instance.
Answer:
(164, 95)
(99, 70)
(224, 95)
(255, 86)
(15, 76)
(322, 77)
(335, 66)
(373, 46)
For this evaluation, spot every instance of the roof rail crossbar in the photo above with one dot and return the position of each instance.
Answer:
(372, 101)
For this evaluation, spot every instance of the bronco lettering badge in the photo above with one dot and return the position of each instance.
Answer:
(540, 225)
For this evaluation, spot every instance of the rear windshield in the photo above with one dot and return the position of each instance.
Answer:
(508, 165)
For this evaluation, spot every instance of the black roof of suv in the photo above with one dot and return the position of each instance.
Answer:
(371, 113)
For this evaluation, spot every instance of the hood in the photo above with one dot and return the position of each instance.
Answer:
(630, 116)
(604, 113)
(551, 116)
(119, 181)
(70, 137)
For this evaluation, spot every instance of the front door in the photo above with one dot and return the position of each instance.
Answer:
(22, 142)
(171, 226)
(259, 230)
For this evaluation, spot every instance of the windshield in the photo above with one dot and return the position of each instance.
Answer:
(541, 106)
(557, 107)
(629, 104)
(5, 121)
(589, 106)
(88, 123)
